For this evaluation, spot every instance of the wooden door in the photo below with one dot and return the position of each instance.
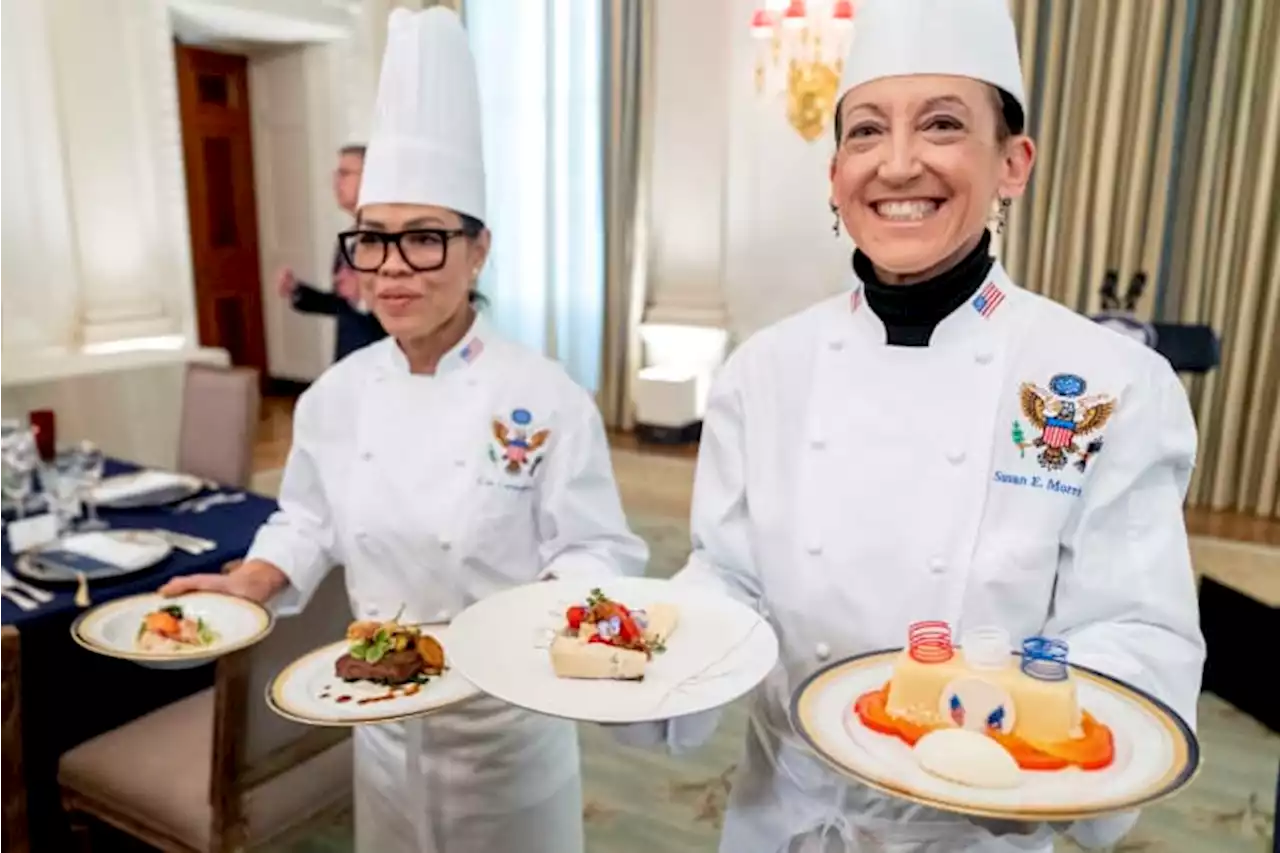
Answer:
(213, 94)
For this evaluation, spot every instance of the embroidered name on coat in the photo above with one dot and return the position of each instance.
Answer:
(1034, 482)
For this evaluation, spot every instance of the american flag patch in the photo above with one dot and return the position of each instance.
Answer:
(472, 350)
(988, 299)
(855, 301)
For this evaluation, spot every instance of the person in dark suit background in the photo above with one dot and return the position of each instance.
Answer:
(356, 326)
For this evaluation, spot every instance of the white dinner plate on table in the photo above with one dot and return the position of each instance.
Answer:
(720, 649)
(308, 691)
(112, 629)
(1156, 755)
(145, 489)
(102, 555)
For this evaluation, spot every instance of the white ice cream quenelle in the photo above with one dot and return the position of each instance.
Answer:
(969, 758)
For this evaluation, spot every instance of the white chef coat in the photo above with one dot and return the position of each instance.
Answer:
(404, 480)
(847, 488)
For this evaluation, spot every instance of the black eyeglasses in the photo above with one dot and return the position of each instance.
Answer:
(423, 249)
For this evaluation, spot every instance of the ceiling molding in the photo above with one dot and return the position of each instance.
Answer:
(242, 24)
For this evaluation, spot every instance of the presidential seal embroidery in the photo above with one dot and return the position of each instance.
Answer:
(1062, 414)
(519, 444)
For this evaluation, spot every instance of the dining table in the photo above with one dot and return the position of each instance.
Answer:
(69, 695)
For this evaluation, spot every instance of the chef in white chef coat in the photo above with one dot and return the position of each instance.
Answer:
(935, 443)
(439, 466)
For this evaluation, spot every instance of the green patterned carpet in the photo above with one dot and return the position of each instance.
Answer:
(644, 802)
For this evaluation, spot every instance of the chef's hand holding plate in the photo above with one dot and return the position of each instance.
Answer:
(254, 580)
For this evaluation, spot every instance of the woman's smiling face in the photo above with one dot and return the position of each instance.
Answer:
(920, 165)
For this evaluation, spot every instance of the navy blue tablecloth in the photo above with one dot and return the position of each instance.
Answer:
(232, 526)
(70, 695)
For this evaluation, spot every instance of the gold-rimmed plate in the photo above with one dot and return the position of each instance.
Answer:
(308, 691)
(1156, 754)
(113, 629)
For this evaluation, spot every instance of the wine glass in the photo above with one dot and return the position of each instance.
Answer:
(20, 458)
(60, 478)
(91, 465)
(9, 428)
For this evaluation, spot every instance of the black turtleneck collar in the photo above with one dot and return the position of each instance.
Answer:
(910, 312)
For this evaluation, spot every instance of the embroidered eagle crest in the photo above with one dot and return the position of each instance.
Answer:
(1062, 413)
(519, 443)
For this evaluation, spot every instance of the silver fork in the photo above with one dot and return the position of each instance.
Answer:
(8, 581)
(18, 598)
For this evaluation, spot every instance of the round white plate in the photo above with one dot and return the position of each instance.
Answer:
(146, 489)
(1155, 753)
(307, 691)
(44, 565)
(720, 649)
(111, 629)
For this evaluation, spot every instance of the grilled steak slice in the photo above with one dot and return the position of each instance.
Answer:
(393, 668)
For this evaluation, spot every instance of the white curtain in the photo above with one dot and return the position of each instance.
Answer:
(626, 75)
(539, 68)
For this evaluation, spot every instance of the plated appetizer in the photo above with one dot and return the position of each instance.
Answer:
(169, 629)
(604, 639)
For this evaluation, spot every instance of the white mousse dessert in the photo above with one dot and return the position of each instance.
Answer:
(968, 758)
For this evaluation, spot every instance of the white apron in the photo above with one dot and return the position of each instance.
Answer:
(848, 488)
(404, 480)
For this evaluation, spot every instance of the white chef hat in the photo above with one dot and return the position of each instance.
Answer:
(425, 142)
(958, 38)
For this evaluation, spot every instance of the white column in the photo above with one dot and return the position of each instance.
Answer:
(40, 277)
(740, 227)
(780, 255)
(294, 152)
(691, 129)
(116, 90)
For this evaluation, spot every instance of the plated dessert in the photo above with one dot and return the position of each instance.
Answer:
(994, 727)
(634, 649)
(604, 639)
(979, 714)
(169, 629)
